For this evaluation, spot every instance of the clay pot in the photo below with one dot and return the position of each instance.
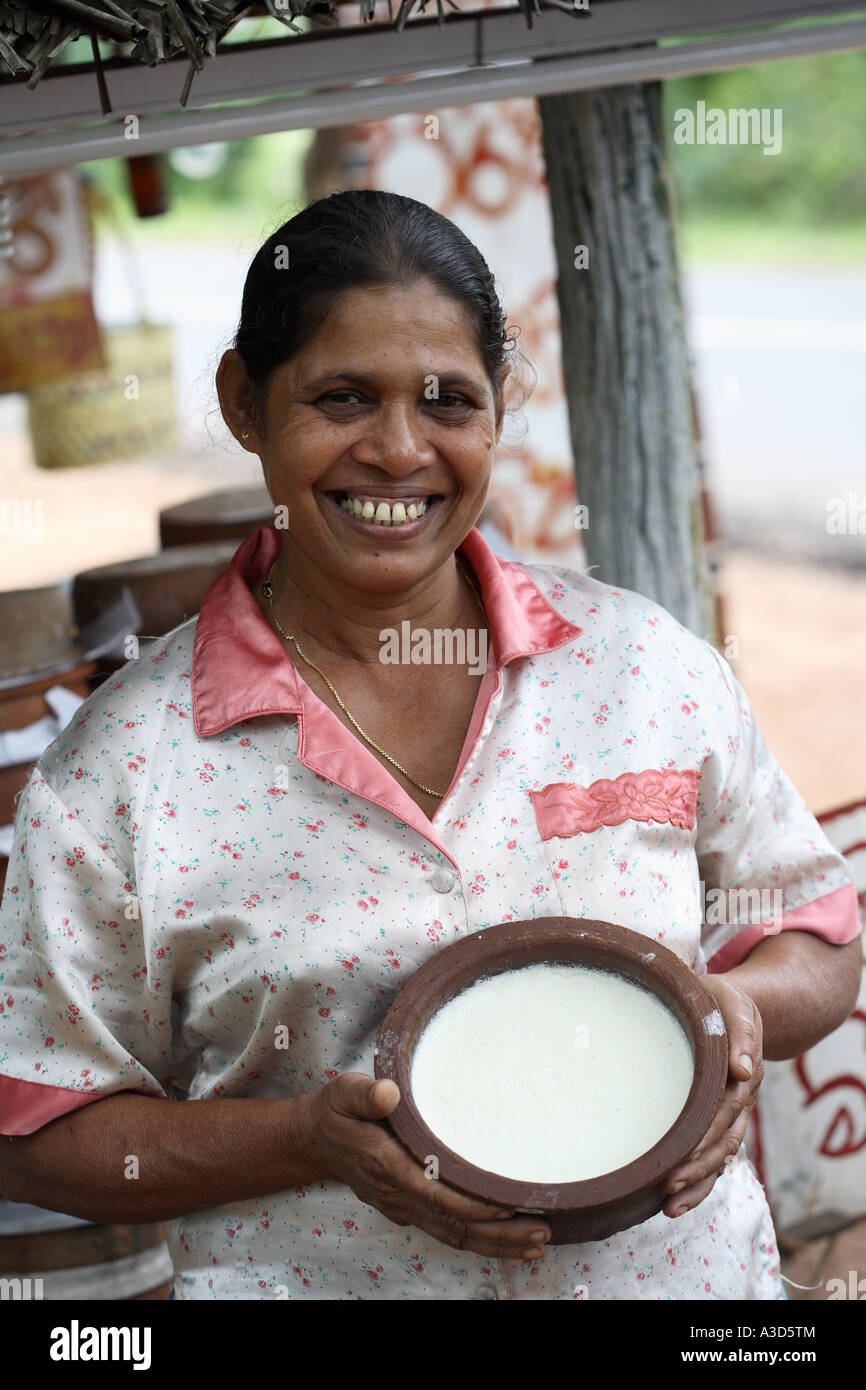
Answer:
(39, 648)
(38, 643)
(596, 1207)
(58, 1257)
(167, 588)
(231, 514)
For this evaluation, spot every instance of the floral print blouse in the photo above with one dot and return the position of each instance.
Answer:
(216, 889)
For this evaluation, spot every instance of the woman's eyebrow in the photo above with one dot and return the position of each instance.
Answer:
(448, 378)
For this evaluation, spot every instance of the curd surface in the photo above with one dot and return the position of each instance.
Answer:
(552, 1073)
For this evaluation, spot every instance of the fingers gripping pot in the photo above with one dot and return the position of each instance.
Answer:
(595, 1207)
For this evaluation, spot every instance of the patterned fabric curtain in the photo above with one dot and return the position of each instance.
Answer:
(48, 329)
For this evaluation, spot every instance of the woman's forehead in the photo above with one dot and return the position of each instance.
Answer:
(382, 334)
(417, 310)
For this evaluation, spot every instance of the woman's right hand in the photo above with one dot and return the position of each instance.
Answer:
(348, 1142)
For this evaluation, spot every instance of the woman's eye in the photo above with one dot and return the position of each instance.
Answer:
(337, 397)
(447, 400)
(453, 403)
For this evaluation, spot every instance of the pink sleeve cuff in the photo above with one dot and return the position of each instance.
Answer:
(835, 917)
(26, 1106)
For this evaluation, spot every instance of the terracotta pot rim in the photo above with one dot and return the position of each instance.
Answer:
(534, 941)
(196, 554)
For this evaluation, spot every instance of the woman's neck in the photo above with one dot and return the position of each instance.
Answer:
(345, 625)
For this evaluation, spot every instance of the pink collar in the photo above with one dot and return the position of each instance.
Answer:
(241, 668)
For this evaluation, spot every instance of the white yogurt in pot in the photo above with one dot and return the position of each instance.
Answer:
(552, 1073)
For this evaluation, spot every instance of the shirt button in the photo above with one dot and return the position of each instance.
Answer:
(486, 1291)
(442, 880)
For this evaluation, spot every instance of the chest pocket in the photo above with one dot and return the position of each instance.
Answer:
(622, 850)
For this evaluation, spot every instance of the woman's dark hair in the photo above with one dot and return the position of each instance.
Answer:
(354, 239)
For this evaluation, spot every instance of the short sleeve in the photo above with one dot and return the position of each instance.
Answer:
(765, 863)
(78, 1018)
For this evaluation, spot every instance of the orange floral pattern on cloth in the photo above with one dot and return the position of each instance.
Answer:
(669, 794)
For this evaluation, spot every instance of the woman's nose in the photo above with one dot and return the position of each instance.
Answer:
(396, 439)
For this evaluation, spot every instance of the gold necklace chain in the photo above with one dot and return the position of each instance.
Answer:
(268, 593)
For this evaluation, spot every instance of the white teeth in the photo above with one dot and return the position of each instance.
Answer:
(384, 514)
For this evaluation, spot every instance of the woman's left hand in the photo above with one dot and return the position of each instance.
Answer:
(696, 1176)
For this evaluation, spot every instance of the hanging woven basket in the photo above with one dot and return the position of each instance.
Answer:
(124, 410)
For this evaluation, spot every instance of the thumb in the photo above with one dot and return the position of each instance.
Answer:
(744, 1045)
(363, 1098)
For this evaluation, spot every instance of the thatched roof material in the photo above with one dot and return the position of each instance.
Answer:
(34, 32)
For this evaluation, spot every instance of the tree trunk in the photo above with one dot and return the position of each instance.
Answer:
(624, 349)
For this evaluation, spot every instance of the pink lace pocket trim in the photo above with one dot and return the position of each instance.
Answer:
(565, 809)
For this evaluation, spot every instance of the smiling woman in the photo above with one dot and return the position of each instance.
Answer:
(225, 866)
(368, 374)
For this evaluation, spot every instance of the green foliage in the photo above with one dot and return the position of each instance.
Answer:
(728, 195)
(820, 173)
(260, 178)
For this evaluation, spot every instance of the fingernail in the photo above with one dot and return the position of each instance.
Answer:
(535, 1252)
(540, 1236)
(746, 1063)
(680, 1211)
(678, 1186)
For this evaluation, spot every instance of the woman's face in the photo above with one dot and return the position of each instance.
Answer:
(390, 403)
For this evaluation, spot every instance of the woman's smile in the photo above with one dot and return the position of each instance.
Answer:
(398, 516)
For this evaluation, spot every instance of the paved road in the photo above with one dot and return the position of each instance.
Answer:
(780, 368)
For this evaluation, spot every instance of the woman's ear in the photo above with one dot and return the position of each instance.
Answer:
(238, 401)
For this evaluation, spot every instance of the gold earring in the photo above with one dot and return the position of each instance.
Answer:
(246, 435)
